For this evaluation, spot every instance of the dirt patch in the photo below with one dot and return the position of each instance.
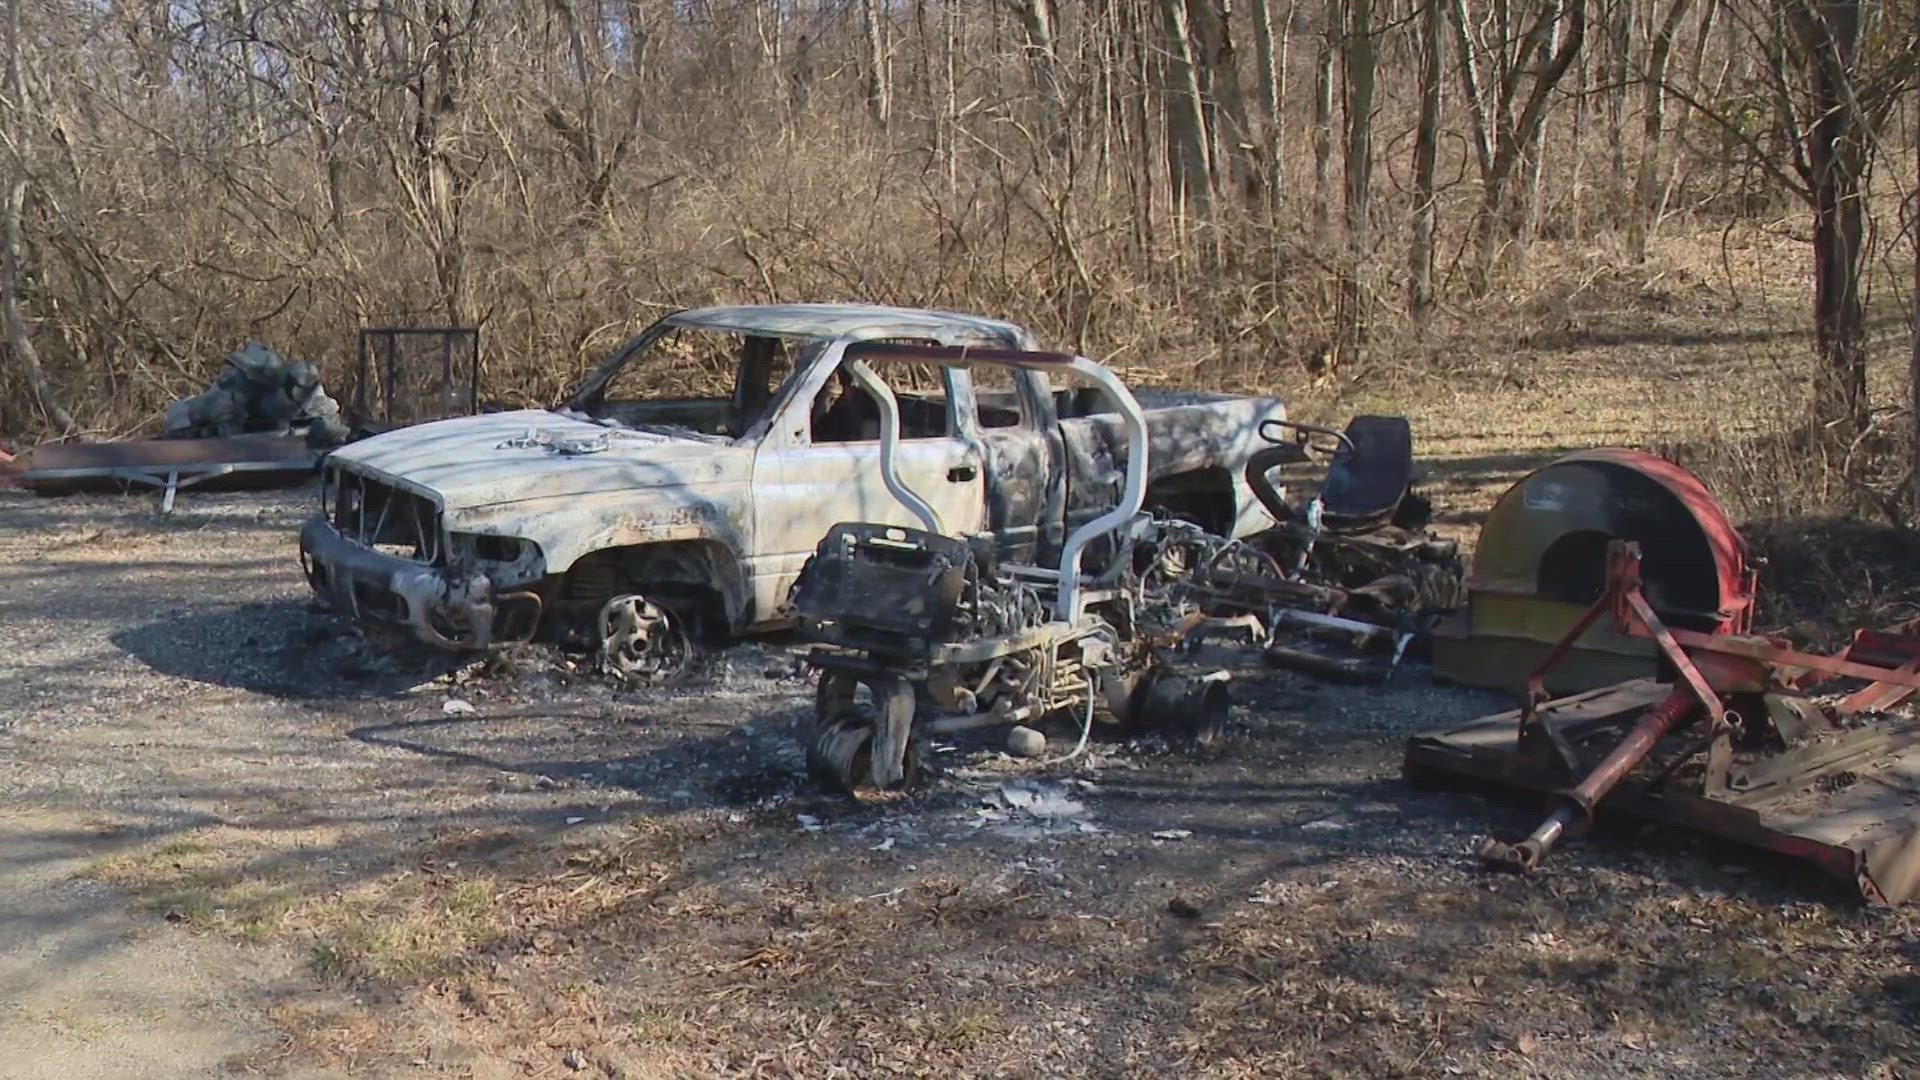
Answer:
(92, 990)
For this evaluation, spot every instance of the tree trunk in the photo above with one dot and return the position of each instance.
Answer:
(1839, 317)
(1140, 120)
(1642, 216)
(1426, 145)
(1187, 160)
(1229, 126)
(1697, 62)
(1037, 20)
(19, 339)
(1361, 68)
(1498, 220)
(1837, 156)
(950, 96)
(1470, 88)
(1272, 61)
(878, 104)
(1617, 73)
(1534, 151)
(1323, 115)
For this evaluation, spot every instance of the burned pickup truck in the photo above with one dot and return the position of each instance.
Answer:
(642, 525)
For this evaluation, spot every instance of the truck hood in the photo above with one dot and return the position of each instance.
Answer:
(478, 461)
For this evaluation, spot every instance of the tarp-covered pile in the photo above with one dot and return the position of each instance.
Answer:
(260, 392)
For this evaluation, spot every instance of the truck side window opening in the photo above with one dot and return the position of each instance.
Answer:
(1078, 401)
(844, 412)
(997, 396)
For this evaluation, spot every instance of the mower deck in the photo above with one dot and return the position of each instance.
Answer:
(1848, 803)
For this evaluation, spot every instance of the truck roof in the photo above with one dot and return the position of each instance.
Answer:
(830, 321)
(959, 355)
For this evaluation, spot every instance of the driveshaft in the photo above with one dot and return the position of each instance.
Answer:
(1577, 803)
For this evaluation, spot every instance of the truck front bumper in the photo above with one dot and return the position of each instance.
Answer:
(444, 609)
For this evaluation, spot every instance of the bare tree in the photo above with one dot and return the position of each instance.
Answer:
(1229, 129)
(1830, 96)
(1653, 115)
(1188, 160)
(1523, 56)
(1323, 93)
(1621, 18)
(879, 93)
(435, 41)
(1037, 19)
(1360, 68)
(1838, 152)
(1426, 146)
(599, 153)
(19, 337)
(1271, 57)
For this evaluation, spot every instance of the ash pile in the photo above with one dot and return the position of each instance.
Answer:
(260, 392)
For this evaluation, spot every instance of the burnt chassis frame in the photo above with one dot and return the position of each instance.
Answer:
(1729, 799)
(382, 343)
(881, 747)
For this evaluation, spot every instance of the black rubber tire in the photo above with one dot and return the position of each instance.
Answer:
(840, 752)
(840, 745)
(1187, 711)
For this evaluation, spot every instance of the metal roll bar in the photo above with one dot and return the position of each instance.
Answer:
(1133, 494)
(889, 445)
(1132, 497)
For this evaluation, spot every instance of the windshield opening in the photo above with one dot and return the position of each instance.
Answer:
(689, 379)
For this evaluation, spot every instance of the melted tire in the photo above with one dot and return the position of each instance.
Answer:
(1187, 711)
(841, 752)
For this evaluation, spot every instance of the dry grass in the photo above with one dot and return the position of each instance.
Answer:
(632, 955)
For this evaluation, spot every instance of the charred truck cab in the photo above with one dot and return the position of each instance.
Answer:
(642, 523)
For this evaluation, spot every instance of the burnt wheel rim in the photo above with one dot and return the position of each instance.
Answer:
(642, 642)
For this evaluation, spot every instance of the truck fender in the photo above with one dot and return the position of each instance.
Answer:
(705, 570)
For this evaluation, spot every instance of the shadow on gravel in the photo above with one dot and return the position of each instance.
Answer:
(275, 511)
(282, 648)
(648, 748)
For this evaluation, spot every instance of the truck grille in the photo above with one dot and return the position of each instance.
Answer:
(379, 515)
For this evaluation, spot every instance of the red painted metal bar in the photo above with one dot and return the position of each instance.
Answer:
(1880, 696)
(1537, 681)
(1702, 689)
(1578, 802)
(1768, 652)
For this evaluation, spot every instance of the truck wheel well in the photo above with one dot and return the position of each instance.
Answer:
(1202, 496)
(700, 579)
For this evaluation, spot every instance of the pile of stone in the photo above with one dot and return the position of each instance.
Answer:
(260, 392)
